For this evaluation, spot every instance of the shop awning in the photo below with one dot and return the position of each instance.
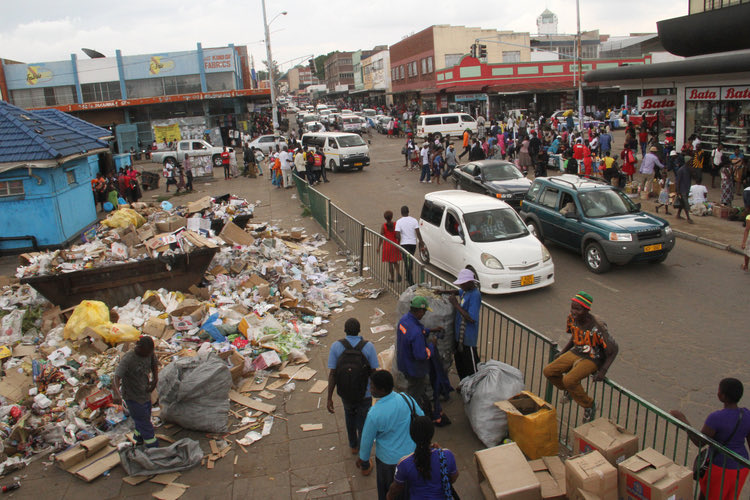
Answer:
(515, 88)
(465, 89)
(710, 32)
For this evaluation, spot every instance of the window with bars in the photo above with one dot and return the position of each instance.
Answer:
(11, 188)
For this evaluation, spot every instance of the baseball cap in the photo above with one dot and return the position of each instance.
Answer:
(419, 302)
(464, 276)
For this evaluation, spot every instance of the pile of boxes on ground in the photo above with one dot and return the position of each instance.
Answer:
(607, 463)
(267, 295)
(143, 230)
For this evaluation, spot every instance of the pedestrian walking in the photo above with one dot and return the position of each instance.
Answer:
(407, 233)
(287, 161)
(412, 353)
(168, 173)
(682, 186)
(388, 422)
(450, 161)
(300, 165)
(723, 477)
(351, 360)
(131, 384)
(187, 165)
(429, 472)
(426, 171)
(390, 253)
(646, 172)
(467, 301)
(591, 350)
(225, 163)
(320, 159)
(727, 182)
(466, 143)
(180, 178)
(437, 164)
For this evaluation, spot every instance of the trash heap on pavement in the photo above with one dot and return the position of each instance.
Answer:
(143, 231)
(266, 297)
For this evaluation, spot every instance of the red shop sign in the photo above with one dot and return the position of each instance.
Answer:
(739, 93)
(656, 102)
(703, 94)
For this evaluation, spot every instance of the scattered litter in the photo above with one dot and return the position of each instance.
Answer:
(381, 328)
(311, 427)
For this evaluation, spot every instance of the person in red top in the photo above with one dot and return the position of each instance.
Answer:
(391, 253)
(643, 139)
(225, 162)
(579, 152)
(628, 162)
(588, 160)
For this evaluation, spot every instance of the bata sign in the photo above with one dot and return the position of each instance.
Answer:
(656, 102)
(735, 93)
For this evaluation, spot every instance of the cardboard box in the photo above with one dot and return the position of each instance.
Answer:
(146, 232)
(505, 474)
(611, 440)
(198, 205)
(550, 471)
(266, 360)
(15, 385)
(155, 327)
(171, 224)
(235, 235)
(187, 317)
(590, 476)
(649, 475)
(532, 424)
(89, 459)
(238, 365)
(720, 211)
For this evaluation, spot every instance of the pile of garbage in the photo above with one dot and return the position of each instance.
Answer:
(265, 299)
(141, 231)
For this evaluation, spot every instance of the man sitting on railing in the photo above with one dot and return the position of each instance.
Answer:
(590, 350)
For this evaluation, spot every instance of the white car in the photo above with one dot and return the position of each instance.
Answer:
(472, 231)
(268, 143)
(314, 127)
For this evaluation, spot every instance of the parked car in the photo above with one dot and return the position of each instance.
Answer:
(597, 220)
(343, 151)
(314, 127)
(497, 178)
(353, 123)
(471, 231)
(445, 124)
(268, 143)
(381, 123)
(193, 147)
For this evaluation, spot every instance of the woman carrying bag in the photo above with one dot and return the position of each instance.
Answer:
(429, 472)
(731, 428)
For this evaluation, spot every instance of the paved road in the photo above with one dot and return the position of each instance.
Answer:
(679, 324)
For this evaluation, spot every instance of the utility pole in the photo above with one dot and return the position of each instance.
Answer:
(580, 66)
(274, 108)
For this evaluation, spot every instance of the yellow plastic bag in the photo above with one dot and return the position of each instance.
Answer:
(532, 424)
(124, 217)
(87, 314)
(95, 315)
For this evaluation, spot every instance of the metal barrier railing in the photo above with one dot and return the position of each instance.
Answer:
(506, 339)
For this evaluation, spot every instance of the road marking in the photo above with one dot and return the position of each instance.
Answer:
(615, 290)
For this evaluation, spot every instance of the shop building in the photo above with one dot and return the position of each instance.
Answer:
(339, 72)
(709, 90)
(211, 88)
(376, 79)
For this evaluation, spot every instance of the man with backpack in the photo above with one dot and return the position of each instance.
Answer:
(350, 362)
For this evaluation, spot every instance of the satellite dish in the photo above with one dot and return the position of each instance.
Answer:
(93, 54)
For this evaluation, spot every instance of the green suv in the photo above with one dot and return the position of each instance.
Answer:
(595, 219)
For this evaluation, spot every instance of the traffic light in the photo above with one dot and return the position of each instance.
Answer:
(473, 50)
(311, 63)
(482, 52)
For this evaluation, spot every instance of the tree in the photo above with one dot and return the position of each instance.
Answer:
(320, 66)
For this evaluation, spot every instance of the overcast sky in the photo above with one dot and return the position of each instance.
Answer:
(50, 30)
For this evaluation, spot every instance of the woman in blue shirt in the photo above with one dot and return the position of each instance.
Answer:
(429, 472)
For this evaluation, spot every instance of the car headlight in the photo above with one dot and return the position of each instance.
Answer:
(504, 196)
(490, 261)
(620, 237)
(545, 254)
(668, 231)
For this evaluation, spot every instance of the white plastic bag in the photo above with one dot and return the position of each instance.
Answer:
(11, 327)
(494, 381)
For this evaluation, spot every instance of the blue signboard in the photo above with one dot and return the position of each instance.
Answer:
(160, 65)
(29, 76)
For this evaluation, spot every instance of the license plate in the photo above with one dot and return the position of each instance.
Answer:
(527, 280)
(358, 164)
(652, 248)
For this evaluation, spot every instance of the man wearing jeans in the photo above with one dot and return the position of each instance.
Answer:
(355, 412)
(424, 154)
(590, 350)
(407, 228)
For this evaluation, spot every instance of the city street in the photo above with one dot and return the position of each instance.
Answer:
(675, 322)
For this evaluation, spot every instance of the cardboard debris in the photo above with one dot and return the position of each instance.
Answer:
(504, 473)
(297, 373)
(319, 386)
(170, 492)
(550, 471)
(311, 427)
(135, 480)
(167, 478)
(253, 385)
(649, 475)
(251, 403)
(590, 474)
(89, 459)
(234, 235)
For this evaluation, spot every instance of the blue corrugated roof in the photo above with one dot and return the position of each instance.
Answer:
(29, 136)
(87, 128)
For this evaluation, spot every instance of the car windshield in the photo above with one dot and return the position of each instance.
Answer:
(606, 203)
(494, 225)
(309, 118)
(501, 172)
(347, 141)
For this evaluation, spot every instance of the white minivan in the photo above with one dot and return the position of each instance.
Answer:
(445, 124)
(343, 151)
(473, 231)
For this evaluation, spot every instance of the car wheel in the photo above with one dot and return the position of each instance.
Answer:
(424, 254)
(217, 161)
(333, 167)
(169, 161)
(595, 258)
(533, 228)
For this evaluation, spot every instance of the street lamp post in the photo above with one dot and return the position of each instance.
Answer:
(580, 66)
(269, 58)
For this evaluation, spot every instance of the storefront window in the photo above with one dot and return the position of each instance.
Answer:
(719, 115)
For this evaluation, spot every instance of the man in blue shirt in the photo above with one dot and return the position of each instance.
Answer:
(412, 353)
(605, 143)
(355, 411)
(388, 424)
(467, 302)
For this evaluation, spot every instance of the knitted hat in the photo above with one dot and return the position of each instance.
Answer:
(584, 299)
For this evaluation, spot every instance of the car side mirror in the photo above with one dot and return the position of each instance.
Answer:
(571, 215)
(638, 205)
(477, 177)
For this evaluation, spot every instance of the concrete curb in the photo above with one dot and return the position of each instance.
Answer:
(707, 242)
